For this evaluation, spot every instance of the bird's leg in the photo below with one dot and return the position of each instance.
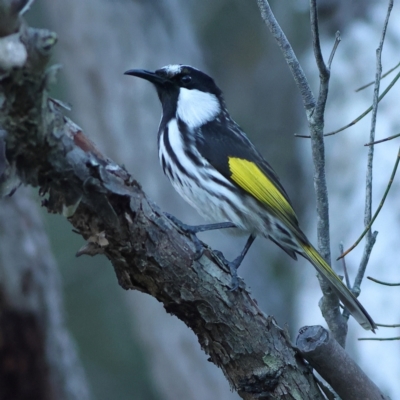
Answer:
(192, 230)
(235, 264)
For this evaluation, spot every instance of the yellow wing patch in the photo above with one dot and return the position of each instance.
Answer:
(320, 264)
(249, 177)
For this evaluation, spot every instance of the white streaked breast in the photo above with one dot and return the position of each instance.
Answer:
(198, 196)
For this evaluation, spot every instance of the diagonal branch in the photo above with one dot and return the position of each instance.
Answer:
(366, 112)
(373, 218)
(383, 76)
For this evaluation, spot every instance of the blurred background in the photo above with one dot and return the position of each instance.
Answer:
(128, 345)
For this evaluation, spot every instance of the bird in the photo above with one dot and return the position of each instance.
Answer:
(213, 165)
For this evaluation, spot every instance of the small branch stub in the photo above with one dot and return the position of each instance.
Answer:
(332, 362)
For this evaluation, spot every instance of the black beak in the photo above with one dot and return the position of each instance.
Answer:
(148, 75)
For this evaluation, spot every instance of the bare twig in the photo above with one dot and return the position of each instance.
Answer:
(372, 220)
(383, 76)
(381, 282)
(346, 274)
(302, 136)
(389, 326)
(324, 72)
(366, 112)
(364, 261)
(361, 116)
(383, 140)
(316, 42)
(381, 339)
(370, 237)
(338, 39)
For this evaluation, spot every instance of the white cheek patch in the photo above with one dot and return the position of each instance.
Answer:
(196, 108)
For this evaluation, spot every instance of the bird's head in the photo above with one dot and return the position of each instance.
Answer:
(185, 93)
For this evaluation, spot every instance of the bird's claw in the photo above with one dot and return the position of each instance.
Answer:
(233, 267)
(191, 232)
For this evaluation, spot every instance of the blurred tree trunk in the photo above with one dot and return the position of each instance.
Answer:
(99, 40)
(38, 359)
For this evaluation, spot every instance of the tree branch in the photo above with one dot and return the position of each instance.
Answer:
(332, 362)
(329, 304)
(371, 237)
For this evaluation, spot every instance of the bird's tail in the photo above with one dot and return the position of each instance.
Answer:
(346, 297)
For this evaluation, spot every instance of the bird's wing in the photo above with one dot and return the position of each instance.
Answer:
(231, 153)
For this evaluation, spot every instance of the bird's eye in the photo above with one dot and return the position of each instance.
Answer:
(185, 79)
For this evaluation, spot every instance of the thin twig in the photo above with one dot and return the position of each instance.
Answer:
(371, 237)
(383, 76)
(366, 112)
(360, 117)
(364, 261)
(316, 42)
(338, 39)
(368, 227)
(346, 274)
(388, 326)
(302, 136)
(381, 339)
(324, 72)
(383, 140)
(317, 142)
(381, 282)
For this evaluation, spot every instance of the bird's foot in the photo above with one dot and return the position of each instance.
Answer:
(235, 264)
(191, 231)
(233, 267)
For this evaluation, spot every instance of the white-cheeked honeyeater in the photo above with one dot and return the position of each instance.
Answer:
(213, 165)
